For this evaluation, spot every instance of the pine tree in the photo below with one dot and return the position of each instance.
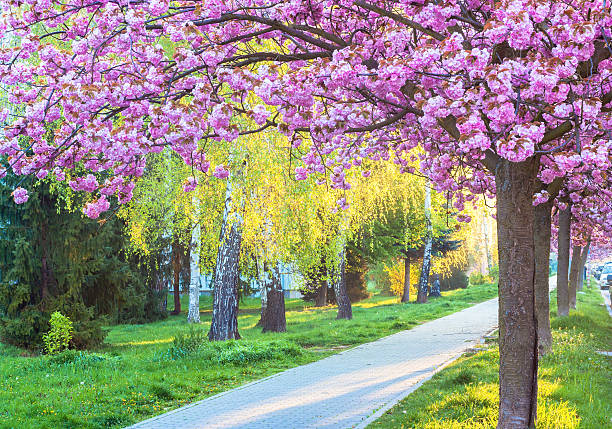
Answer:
(54, 259)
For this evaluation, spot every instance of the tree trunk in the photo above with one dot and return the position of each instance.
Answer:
(574, 274)
(176, 268)
(583, 260)
(224, 324)
(345, 310)
(518, 365)
(194, 284)
(406, 294)
(159, 287)
(424, 279)
(563, 250)
(263, 292)
(541, 235)
(274, 320)
(435, 288)
(321, 298)
(485, 228)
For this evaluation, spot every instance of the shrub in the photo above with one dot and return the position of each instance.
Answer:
(186, 343)
(59, 336)
(227, 352)
(25, 330)
(480, 279)
(456, 279)
(494, 271)
(80, 359)
(396, 277)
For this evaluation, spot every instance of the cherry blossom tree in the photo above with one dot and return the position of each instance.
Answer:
(506, 98)
(585, 216)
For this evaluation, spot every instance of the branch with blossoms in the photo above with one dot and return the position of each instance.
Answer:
(478, 84)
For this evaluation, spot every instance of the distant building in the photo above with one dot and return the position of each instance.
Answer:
(291, 281)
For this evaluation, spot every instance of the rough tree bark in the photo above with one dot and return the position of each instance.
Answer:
(193, 315)
(406, 294)
(321, 298)
(518, 366)
(424, 279)
(583, 260)
(176, 271)
(541, 236)
(274, 320)
(224, 324)
(345, 310)
(563, 251)
(574, 274)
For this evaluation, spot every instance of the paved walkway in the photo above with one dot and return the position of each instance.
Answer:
(343, 390)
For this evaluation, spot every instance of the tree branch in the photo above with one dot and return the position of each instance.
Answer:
(401, 19)
(566, 126)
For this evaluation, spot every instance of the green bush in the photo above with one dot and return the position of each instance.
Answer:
(480, 279)
(227, 352)
(494, 271)
(26, 329)
(456, 279)
(59, 336)
(186, 343)
(82, 360)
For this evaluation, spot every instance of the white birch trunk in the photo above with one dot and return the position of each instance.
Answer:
(194, 285)
(345, 310)
(224, 324)
(263, 291)
(424, 279)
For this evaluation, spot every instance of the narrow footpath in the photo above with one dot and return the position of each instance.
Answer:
(345, 390)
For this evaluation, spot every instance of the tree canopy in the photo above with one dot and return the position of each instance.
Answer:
(506, 98)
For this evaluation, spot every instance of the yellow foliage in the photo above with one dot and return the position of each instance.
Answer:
(396, 274)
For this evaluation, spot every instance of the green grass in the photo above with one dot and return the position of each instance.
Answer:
(142, 370)
(247, 305)
(575, 387)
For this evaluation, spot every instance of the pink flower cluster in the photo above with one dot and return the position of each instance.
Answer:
(190, 184)
(94, 208)
(20, 195)
(221, 172)
(459, 86)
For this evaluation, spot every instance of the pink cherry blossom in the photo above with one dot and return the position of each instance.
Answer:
(467, 90)
(20, 195)
(221, 172)
(190, 184)
(95, 208)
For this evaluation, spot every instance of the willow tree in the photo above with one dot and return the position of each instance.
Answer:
(387, 210)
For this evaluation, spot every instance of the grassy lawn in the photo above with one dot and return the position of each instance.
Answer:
(142, 370)
(575, 387)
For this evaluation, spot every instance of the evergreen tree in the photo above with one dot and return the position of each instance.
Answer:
(53, 259)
